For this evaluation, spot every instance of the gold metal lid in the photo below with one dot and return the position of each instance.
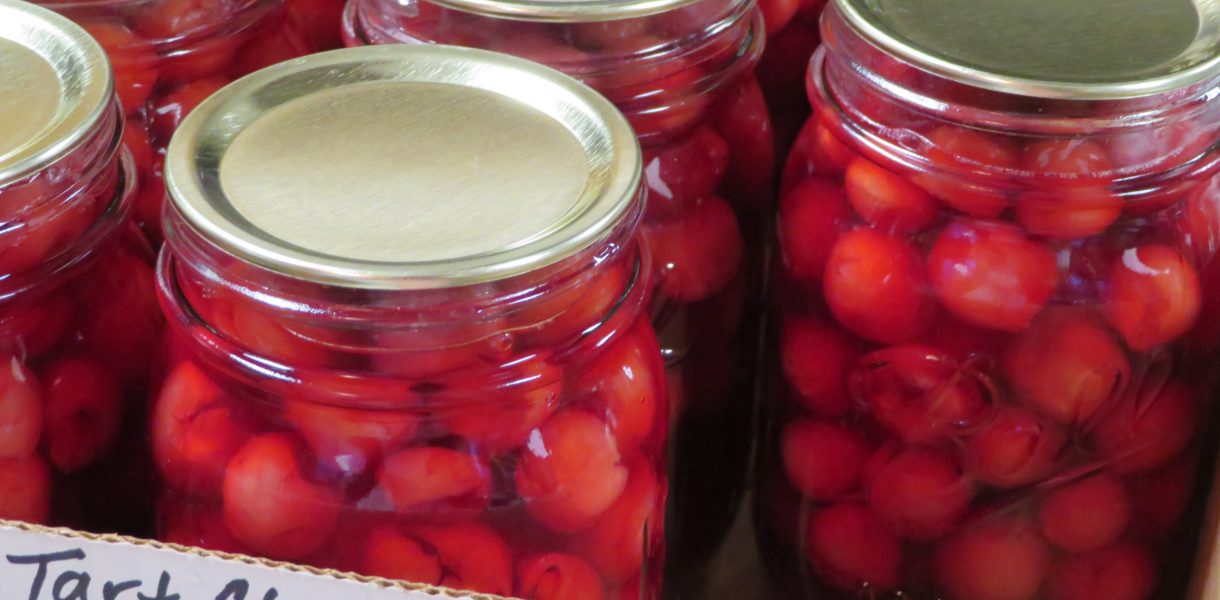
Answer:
(1070, 49)
(55, 84)
(404, 167)
(565, 11)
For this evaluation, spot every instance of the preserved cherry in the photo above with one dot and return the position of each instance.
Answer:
(500, 430)
(170, 55)
(78, 312)
(994, 333)
(683, 74)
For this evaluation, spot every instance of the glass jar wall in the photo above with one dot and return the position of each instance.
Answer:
(792, 36)
(682, 72)
(78, 316)
(454, 381)
(169, 55)
(996, 325)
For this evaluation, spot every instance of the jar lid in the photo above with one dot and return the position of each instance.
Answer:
(404, 167)
(1067, 49)
(565, 11)
(56, 86)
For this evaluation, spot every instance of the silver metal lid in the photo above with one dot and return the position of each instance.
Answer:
(1070, 49)
(55, 85)
(566, 11)
(404, 167)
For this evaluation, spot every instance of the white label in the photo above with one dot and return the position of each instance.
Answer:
(51, 564)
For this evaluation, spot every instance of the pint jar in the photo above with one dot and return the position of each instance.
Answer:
(167, 56)
(78, 315)
(996, 331)
(407, 302)
(682, 72)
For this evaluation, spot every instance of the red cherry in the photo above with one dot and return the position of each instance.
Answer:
(740, 116)
(196, 428)
(699, 253)
(502, 419)
(1161, 145)
(680, 173)
(1123, 572)
(616, 544)
(818, 358)
(167, 19)
(570, 471)
(20, 409)
(132, 59)
(1087, 515)
(1147, 429)
(120, 322)
(390, 554)
(851, 548)
(1067, 365)
(350, 440)
(270, 506)
(1068, 212)
(168, 111)
(919, 394)
(811, 216)
(557, 576)
(83, 412)
(25, 489)
(43, 234)
(817, 150)
(31, 330)
(875, 287)
(1153, 296)
(290, 340)
(1016, 448)
(625, 387)
(993, 560)
(823, 460)
(887, 200)
(957, 148)
(473, 555)
(920, 493)
(416, 477)
(657, 99)
(991, 275)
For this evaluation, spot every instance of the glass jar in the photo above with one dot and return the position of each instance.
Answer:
(452, 380)
(682, 72)
(997, 322)
(792, 36)
(168, 55)
(78, 315)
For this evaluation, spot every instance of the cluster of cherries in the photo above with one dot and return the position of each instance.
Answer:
(488, 456)
(76, 334)
(168, 56)
(995, 390)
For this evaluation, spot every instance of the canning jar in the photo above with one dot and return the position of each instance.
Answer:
(996, 333)
(682, 72)
(168, 55)
(78, 314)
(406, 297)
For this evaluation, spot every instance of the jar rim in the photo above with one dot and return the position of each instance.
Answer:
(567, 11)
(57, 58)
(266, 121)
(943, 40)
